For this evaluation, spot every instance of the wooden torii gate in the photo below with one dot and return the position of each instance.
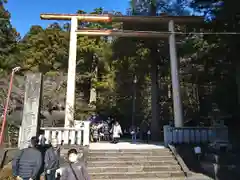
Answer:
(170, 20)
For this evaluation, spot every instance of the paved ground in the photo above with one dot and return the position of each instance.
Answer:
(124, 145)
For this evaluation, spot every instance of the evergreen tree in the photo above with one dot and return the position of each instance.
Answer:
(8, 40)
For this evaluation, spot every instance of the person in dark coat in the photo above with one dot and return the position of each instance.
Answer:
(134, 134)
(105, 129)
(51, 160)
(75, 170)
(27, 164)
(144, 129)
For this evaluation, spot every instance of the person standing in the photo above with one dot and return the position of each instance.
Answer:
(95, 133)
(27, 164)
(42, 140)
(134, 134)
(51, 160)
(116, 132)
(144, 128)
(148, 135)
(106, 131)
(75, 170)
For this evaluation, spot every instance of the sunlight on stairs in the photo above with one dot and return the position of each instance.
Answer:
(132, 161)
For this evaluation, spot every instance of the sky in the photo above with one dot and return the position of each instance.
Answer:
(25, 13)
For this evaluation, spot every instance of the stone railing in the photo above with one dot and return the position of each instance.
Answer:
(194, 135)
(71, 136)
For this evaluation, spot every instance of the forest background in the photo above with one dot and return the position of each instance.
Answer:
(107, 66)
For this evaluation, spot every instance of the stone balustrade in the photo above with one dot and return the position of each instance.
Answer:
(194, 135)
(72, 136)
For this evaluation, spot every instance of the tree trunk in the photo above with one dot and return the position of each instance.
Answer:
(155, 129)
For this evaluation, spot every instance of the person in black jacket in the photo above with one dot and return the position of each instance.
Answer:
(51, 160)
(75, 169)
(27, 164)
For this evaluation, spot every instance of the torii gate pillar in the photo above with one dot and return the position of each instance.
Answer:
(176, 89)
(70, 95)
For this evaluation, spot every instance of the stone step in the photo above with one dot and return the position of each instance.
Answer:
(134, 175)
(129, 150)
(171, 178)
(131, 163)
(127, 155)
(136, 169)
(154, 153)
(133, 158)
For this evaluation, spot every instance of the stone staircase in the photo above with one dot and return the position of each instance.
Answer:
(133, 164)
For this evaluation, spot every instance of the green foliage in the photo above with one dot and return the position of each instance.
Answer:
(8, 41)
(207, 62)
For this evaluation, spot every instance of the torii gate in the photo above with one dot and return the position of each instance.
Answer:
(170, 20)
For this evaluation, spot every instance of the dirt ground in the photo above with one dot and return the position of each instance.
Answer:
(6, 172)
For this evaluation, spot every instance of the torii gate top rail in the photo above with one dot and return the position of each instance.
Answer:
(137, 19)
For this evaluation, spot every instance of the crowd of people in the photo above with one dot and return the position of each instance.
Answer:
(41, 161)
(110, 130)
(106, 130)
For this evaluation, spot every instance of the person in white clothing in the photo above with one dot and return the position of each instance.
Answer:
(116, 132)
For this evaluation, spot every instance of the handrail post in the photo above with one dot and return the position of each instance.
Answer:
(86, 132)
(166, 135)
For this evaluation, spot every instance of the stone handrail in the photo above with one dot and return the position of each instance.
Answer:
(184, 167)
(65, 135)
(194, 135)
